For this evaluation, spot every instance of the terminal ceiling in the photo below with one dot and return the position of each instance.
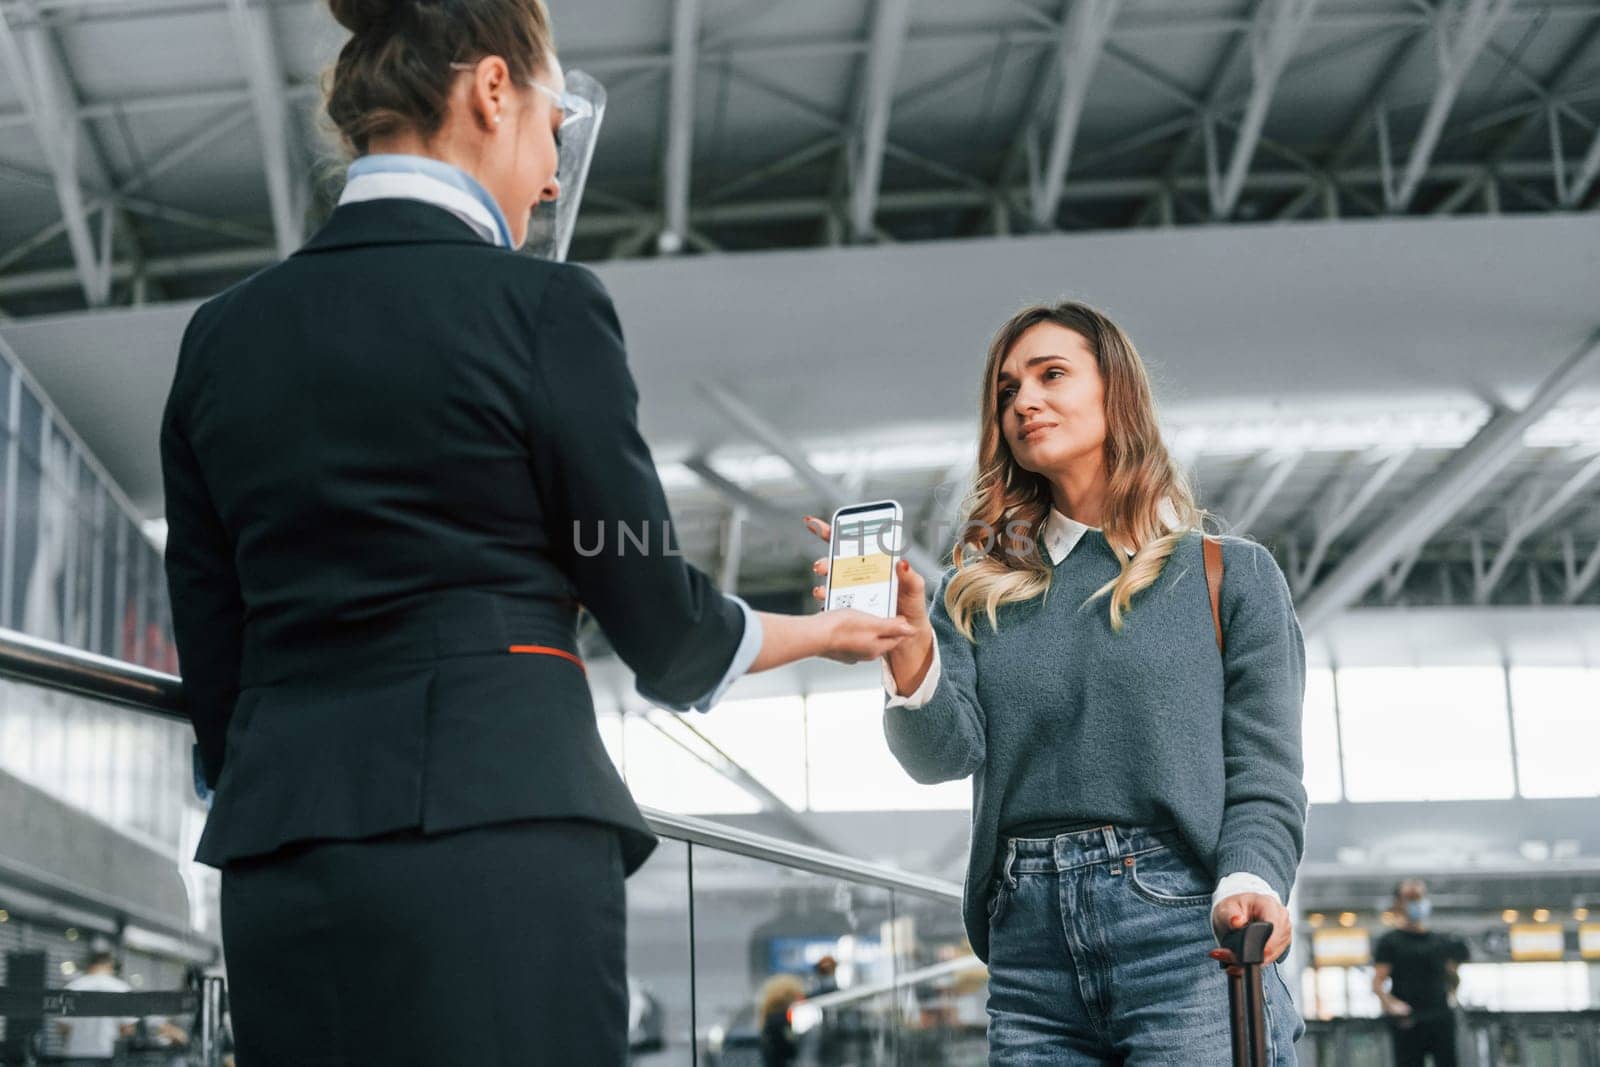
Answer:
(1434, 163)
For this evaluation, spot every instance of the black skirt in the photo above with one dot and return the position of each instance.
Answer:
(497, 945)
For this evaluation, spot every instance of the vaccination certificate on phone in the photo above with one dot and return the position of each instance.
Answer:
(861, 573)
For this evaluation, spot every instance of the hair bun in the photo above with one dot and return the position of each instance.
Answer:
(361, 16)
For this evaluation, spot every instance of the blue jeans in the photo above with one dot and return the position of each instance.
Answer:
(1098, 953)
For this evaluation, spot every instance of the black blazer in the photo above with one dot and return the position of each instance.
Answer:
(375, 455)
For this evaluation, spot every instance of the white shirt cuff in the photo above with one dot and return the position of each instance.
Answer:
(924, 692)
(1242, 882)
(743, 656)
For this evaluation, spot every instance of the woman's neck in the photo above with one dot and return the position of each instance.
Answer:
(1079, 493)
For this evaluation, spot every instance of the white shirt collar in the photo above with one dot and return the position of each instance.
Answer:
(429, 190)
(1061, 534)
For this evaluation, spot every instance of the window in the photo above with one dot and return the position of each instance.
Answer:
(852, 768)
(1425, 733)
(767, 737)
(1320, 738)
(662, 774)
(1338, 993)
(1344, 992)
(1553, 986)
(1557, 713)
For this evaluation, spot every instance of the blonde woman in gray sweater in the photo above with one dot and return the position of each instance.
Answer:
(1135, 763)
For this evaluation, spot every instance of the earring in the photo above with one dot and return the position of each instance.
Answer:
(497, 119)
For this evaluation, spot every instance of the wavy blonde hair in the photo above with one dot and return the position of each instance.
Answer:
(1007, 501)
(779, 993)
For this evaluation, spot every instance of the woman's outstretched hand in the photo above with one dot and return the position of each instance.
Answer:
(907, 658)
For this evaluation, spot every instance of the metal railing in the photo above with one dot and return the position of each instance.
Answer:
(1483, 1039)
(46, 664)
(205, 1005)
(54, 666)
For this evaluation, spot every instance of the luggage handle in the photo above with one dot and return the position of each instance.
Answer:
(1246, 1009)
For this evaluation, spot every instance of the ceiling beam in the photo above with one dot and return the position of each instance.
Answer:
(1524, 523)
(1205, 111)
(50, 103)
(680, 127)
(242, 259)
(1578, 579)
(1023, 140)
(755, 506)
(755, 213)
(209, 131)
(1276, 33)
(1248, 501)
(1162, 24)
(1128, 29)
(1217, 111)
(889, 24)
(823, 120)
(1360, 126)
(287, 190)
(777, 168)
(1341, 507)
(761, 430)
(1456, 52)
(1560, 79)
(1456, 485)
(1083, 38)
(1584, 180)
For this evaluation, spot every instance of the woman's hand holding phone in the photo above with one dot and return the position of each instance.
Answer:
(909, 658)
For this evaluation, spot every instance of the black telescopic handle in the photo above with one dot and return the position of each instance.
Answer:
(1246, 1010)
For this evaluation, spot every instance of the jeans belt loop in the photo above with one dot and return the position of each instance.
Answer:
(1110, 834)
(1011, 863)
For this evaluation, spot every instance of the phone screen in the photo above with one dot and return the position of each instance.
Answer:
(862, 552)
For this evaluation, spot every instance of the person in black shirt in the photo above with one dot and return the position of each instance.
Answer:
(1419, 968)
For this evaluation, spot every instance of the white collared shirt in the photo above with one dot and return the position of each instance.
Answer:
(427, 189)
(397, 175)
(1061, 536)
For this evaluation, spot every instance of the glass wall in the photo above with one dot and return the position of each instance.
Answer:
(1455, 714)
(1557, 716)
(75, 569)
(131, 771)
(820, 752)
(1361, 730)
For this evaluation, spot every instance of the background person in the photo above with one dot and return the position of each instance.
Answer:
(1415, 976)
(86, 1039)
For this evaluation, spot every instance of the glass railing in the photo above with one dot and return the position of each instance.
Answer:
(731, 934)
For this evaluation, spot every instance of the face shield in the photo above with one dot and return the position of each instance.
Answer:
(583, 105)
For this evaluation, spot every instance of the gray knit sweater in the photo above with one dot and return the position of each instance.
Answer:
(1058, 717)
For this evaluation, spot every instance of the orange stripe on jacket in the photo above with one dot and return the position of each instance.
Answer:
(544, 650)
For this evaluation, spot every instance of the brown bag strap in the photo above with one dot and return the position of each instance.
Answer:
(1212, 550)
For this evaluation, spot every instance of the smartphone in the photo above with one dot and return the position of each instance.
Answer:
(867, 542)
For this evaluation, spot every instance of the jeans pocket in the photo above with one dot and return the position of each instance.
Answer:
(999, 892)
(1168, 877)
(1290, 1005)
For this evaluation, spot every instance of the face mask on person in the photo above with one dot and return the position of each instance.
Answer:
(1418, 910)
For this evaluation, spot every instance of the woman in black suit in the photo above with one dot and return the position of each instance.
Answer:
(388, 461)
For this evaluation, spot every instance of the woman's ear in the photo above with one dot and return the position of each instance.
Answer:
(491, 86)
